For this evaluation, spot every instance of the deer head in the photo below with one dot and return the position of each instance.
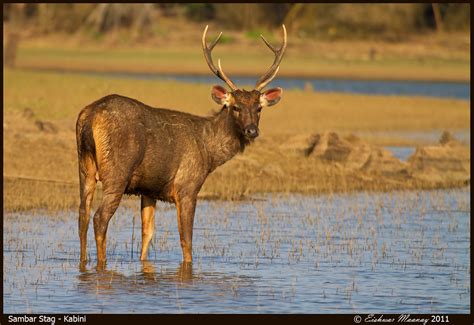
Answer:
(246, 105)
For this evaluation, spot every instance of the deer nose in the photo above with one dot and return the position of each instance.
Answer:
(251, 131)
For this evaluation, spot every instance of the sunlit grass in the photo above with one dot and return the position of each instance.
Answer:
(60, 95)
(268, 165)
(423, 59)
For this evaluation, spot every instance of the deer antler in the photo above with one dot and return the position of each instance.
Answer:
(207, 54)
(271, 73)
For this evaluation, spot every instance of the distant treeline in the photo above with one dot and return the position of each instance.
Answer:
(383, 20)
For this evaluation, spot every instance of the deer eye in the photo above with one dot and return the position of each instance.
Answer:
(237, 109)
(259, 108)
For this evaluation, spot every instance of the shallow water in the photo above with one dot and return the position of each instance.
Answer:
(399, 252)
(402, 153)
(458, 90)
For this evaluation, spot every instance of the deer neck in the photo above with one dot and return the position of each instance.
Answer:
(222, 138)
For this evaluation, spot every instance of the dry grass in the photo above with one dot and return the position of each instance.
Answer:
(266, 166)
(58, 96)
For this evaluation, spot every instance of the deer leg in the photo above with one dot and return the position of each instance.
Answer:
(106, 210)
(185, 271)
(186, 206)
(87, 186)
(148, 223)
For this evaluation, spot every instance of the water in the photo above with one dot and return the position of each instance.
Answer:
(458, 90)
(428, 137)
(402, 153)
(399, 252)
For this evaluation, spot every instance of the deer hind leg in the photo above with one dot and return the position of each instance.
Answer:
(87, 179)
(106, 210)
(186, 206)
(148, 223)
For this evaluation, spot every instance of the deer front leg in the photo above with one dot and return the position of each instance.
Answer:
(186, 206)
(148, 223)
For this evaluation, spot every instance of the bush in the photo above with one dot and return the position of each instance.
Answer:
(200, 11)
(457, 16)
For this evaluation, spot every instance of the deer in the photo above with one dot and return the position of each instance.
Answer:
(163, 154)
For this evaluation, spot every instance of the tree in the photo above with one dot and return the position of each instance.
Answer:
(15, 20)
(106, 17)
(437, 17)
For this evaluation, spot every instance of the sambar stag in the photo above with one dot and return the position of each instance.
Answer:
(163, 154)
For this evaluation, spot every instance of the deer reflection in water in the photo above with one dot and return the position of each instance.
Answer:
(102, 280)
(148, 280)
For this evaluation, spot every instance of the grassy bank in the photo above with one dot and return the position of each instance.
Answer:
(429, 57)
(40, 161)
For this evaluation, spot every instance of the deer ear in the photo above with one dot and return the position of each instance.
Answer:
(220, 95)
(271, 97)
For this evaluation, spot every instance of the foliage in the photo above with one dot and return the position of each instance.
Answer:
(346, 20)
(200, 11)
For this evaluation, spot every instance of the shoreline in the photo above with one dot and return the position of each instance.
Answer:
(202, 73)
(128, 200)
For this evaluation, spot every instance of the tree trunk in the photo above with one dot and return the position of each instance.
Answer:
(13, 35)
(111, 16)
(437, 16)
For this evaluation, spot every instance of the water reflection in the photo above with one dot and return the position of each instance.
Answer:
(103, 280)
(182, 274)
(108, 280)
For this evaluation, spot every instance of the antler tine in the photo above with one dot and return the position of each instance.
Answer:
(224, 77)
(207, 55)
(271, 73)
(267, 81)
(215, 42)
(268, 44)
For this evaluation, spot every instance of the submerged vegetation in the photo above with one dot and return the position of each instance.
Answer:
(401, 251)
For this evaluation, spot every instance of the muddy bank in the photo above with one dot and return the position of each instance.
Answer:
(445, 163)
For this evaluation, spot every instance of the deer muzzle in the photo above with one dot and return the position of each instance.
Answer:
(251, 131)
